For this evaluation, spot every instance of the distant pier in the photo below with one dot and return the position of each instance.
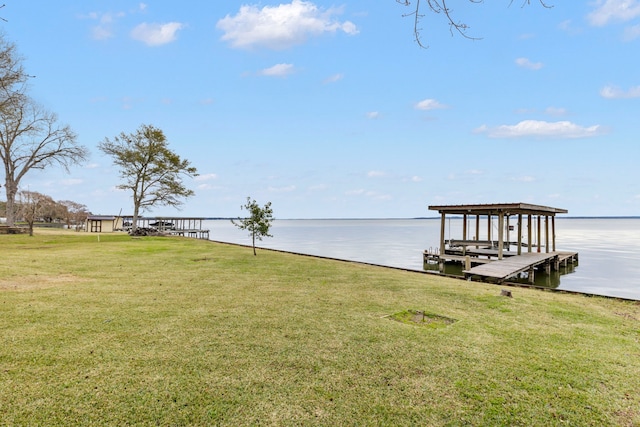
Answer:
(486, 255)
(176, 226)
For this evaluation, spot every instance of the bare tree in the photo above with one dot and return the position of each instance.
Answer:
(30, 136)
(419, 8)
(13, 78)
(74, 214)
(32, 206)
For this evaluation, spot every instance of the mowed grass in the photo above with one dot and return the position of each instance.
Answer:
(176, 331)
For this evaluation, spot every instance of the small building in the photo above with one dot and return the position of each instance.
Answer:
(103, 223)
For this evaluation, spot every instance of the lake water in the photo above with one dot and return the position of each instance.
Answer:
(609, 248)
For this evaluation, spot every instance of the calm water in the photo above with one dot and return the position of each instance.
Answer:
(609, 248)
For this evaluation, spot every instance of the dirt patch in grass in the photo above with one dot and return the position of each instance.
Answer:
(203, 259)
(35, 282)
(422, 318)
(627, 417)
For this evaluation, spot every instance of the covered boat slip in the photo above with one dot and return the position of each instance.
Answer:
(177, 226)
(529, 229)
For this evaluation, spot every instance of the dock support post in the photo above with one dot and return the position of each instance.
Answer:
(519, 234)
(531, 274)
(539, 233)
(478, 228)
(467, 262)
(464, 227)
(546, 233)
(464, 233)
(500, 234)
(508, 227)
(553, 231)
(529, 234)
(442, 228)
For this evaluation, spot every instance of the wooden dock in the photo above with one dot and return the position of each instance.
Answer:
(486, 251)
(174, 226)
(501, 270)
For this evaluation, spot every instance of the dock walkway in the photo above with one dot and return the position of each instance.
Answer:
(508, 267)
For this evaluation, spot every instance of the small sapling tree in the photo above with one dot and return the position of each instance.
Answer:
(257, 223)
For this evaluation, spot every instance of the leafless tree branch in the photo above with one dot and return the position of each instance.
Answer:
(418, 12)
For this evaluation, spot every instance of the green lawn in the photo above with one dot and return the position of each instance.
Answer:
(177, 331)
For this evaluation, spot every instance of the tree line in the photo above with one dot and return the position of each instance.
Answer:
(33, 207)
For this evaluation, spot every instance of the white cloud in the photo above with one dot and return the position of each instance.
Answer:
(541, 129)
(104, 29)
(370, 194)
(72, 181)
(607, 11)
(555, 111)
(280, 27)
(376, 174)
(550, 111)
(101, 32)
(429, 104)
(416, 178)
(373, 115)
(156, 34)
(379, 196)
(334, 78)
(475, 172)
(278, 70)
(631, 33)
(614, 92)
(287, 189)
(525, 178)
(206, 177)
(319, 187)
(128, 102)
(526, 63)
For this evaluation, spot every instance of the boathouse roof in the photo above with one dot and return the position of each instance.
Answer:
(101, 217)
(497, 208)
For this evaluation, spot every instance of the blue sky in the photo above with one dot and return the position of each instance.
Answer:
(331, 110)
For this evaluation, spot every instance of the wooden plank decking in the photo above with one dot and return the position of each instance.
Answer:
(511, 266)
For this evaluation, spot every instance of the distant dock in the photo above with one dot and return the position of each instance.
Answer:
(487, 255)
(175, 226)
